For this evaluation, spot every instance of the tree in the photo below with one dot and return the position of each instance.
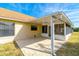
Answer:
(76, 29)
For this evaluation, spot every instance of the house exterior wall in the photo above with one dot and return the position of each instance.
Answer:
(23, 31)
(46, 21)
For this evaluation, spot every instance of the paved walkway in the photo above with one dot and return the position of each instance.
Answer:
(38, 46)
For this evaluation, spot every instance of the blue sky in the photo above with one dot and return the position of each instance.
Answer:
(39, 10)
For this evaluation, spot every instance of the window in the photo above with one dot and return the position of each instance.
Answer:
(33, 28)
(59, 29)
(6, 29)
(44, 29)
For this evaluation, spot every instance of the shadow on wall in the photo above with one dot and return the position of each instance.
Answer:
(25, 37)
(18, 47)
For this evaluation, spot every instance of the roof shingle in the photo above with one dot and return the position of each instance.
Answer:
(12, 15)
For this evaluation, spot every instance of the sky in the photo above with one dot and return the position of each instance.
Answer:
(40, 10)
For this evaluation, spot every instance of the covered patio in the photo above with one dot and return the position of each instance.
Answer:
(56, 27)
(38, 46)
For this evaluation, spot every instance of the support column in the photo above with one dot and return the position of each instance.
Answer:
(71, 29)
(52, 37)
(65, 30)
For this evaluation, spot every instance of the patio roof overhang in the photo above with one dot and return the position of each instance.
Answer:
(60, 17)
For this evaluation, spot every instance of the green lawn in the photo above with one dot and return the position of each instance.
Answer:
(10, 49)
(71, 48)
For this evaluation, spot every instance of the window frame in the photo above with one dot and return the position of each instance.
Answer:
(44, 29)
(59, 29)
(35, 28)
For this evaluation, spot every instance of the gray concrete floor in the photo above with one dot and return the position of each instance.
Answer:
(38, 46)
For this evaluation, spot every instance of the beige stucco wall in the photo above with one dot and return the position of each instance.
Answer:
(45, 21)
(23, 31)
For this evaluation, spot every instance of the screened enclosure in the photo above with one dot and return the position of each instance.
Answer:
(6, 29)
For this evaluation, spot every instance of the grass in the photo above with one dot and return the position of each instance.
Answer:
(71, 48)
(10, 49)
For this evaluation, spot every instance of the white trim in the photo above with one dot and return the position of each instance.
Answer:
(67, 36)
(65, 30)
(44, 34)
(52, 36)
(7, 39)
(60, 37)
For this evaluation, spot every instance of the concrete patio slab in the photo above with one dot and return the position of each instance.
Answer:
(38, 46)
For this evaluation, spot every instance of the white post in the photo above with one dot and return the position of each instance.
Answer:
(52, 37)
(65, 30)
(72, 29)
